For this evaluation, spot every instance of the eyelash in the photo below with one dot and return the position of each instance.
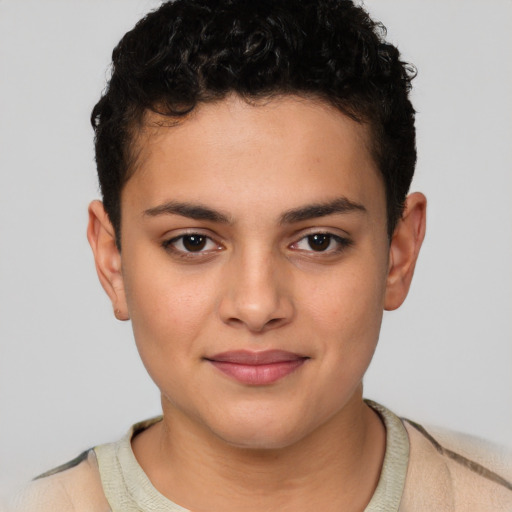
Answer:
(342, 243)
(170, 245)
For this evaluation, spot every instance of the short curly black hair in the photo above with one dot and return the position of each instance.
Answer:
(189, 52)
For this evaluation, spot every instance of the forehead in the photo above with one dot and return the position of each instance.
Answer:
(233, 150)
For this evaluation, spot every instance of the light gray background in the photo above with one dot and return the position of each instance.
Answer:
(70, 376)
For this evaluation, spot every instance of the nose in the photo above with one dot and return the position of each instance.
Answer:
(256, 294)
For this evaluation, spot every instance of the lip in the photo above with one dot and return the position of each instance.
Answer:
(257, 368)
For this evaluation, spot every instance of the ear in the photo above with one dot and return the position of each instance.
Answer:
(404, 249)
(107, 257)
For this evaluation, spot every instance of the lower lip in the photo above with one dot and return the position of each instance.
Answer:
(258, 375)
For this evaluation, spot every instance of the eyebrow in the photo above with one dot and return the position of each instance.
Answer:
(189, 210)
(312, 211)
(339, 205)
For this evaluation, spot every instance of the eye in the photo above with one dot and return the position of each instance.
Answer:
(191, 243)
(322, 242)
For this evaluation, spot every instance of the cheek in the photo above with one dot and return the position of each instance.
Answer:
(168, 309)
(346, 310)
(168, 316)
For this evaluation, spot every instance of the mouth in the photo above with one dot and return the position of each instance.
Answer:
(257, 368)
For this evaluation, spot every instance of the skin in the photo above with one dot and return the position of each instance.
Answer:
(258, 284)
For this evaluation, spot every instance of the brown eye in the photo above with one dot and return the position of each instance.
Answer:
(327, 243)
(319, 241)
(194, 243)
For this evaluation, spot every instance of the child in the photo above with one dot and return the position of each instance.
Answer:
(254, 161)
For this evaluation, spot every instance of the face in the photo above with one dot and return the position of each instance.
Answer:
(254, 266)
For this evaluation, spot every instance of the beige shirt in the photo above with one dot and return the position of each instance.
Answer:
(423, 470)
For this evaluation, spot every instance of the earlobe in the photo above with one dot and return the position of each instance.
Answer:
(404, 249)
(107, 257)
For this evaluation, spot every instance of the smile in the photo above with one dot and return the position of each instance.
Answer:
(257, 368)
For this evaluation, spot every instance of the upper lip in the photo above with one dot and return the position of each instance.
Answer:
(255, 358)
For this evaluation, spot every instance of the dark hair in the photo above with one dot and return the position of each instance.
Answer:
(192, 51)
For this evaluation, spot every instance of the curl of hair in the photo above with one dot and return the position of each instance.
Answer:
(194, 51)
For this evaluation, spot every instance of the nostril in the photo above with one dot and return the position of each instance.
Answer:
(256, 325)
(256, 301)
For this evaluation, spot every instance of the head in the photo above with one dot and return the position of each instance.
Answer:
(192, 52)
(254, 159)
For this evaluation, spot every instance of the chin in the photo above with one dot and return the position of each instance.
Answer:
(264, 434)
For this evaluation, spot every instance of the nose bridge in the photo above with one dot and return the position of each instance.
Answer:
(256, 293)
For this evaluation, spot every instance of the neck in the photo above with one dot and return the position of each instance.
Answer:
(336, 467)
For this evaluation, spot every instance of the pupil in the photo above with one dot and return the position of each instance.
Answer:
(194, 243)
(319, 242)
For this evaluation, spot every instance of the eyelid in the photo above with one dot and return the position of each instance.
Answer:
(324, 230)
(343, 240)
(169, 241)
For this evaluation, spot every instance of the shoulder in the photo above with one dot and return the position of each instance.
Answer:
(73, 486)
(88, 483)
(455, 472)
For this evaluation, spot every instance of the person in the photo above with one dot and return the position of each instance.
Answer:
(254, 161)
